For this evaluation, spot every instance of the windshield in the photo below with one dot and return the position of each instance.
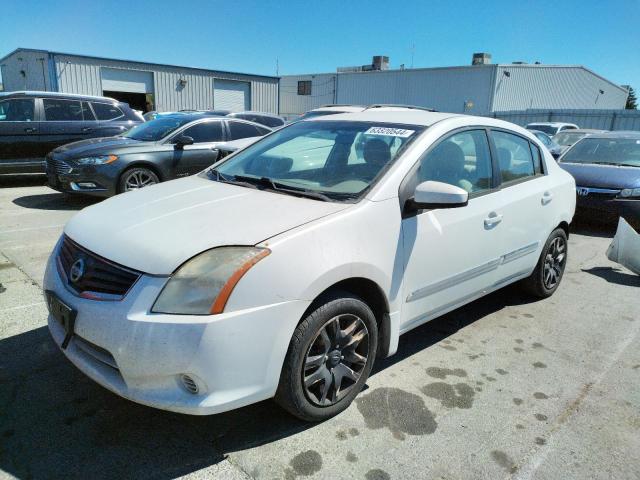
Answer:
(568, 138)
(548, 129)
(156, 129)
(337, 159)
(608, 151)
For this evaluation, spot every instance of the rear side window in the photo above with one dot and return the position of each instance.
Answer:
(87, 114)
(244, 130)
(106, 111)
(205, 132)
(59, 110)
(17, 110)
(514, 156)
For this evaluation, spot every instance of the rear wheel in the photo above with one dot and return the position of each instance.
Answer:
(546, 277)
(137, 178)
(329, 359)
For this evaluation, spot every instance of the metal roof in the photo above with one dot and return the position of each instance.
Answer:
(48, 52)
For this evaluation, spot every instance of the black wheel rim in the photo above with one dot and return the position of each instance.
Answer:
(139, 179)
(554, 263)
(335, 360)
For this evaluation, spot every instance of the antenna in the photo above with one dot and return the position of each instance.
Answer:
(413, 51)
(277, 67)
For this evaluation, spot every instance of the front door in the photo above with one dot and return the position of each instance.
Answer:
(191, 159)
(451, 255)
(19, 135)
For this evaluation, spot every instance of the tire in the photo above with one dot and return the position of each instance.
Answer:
(325, 363)
(546, 277)
(141, 176)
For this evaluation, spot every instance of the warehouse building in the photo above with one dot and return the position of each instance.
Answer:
(145, 86)
(478, 89)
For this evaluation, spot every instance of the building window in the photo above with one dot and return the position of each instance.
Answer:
(304, 87)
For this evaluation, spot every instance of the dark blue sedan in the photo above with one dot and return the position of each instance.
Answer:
(606, 167)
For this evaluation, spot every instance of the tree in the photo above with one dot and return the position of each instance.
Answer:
(632, 101)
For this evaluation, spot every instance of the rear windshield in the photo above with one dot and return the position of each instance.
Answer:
(338, 159)
(606, 151)
(157, 129)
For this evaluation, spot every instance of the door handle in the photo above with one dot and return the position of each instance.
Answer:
(546, 198)
(87, 129)
(492, 220)
(30, 130)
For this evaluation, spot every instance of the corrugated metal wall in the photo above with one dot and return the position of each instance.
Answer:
(557, 87)
(600, 119)
(445, 89)
(30, 62)
(322, 93)
(82, 75)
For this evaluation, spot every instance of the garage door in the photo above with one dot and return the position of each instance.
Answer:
(231, 95)
(132, 81)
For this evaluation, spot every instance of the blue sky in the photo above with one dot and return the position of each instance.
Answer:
(318, 36)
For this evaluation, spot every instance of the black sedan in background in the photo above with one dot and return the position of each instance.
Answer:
(606, 167)
(163, 149)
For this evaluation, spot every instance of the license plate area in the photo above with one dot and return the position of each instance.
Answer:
(63, 314)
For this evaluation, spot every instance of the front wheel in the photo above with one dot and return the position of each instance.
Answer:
(546, 277)
(137, 178)
(329, 358)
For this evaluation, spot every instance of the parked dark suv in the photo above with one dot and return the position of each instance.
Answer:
(34, 123)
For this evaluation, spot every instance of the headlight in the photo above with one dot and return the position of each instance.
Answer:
(202, 285)
(98, 160)
(630, 192)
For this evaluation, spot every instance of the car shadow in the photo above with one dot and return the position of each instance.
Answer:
(55, 422)
(614, 275)
(55, 201)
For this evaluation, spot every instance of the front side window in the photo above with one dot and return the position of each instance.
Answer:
(315, 156)
(106, 111)
(205, 132)
(304, 87)
(605, 151)
(242, 130)
(463, 160)
(17, 110)
(514, 156)
(58, 110)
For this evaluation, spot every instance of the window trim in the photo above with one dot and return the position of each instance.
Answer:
(304, 84)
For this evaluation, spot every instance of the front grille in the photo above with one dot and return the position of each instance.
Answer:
(57, 166)
(93, 276)
(595, 192)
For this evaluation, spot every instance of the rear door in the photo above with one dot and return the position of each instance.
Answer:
(19, 136)
(525, 198)
(191, 159)
(65, 121)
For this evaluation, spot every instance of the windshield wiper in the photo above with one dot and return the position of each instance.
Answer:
(614, 164)
(267, 182)
(221, 177)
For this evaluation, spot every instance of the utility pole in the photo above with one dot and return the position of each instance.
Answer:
(277, 68)
(413, 51)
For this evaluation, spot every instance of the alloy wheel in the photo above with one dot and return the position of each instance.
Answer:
(335, 360)
(139, 179)
(554, 262)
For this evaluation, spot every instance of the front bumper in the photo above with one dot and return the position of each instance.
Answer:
(235, 358)
(609, 209)
(65, 176)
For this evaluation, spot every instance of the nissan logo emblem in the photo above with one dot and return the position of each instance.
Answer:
(77, 270)
(583, 192)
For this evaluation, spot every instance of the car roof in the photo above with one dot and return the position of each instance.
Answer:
(388, 115)
(617, 134)
(252, 112)
(26, 93)
(551, 124)
(339, 108)
(583, 130)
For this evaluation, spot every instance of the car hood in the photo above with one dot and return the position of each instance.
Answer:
(156, 229)
(100, 146)
(603, 176)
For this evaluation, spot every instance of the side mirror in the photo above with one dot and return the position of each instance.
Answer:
(438, 195)
(183, 140)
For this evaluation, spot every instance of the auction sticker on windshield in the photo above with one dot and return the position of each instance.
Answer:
(390, 132)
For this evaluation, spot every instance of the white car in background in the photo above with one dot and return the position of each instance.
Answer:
(269, 275)
(551, 128)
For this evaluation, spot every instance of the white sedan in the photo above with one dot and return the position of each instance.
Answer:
(284, 271)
